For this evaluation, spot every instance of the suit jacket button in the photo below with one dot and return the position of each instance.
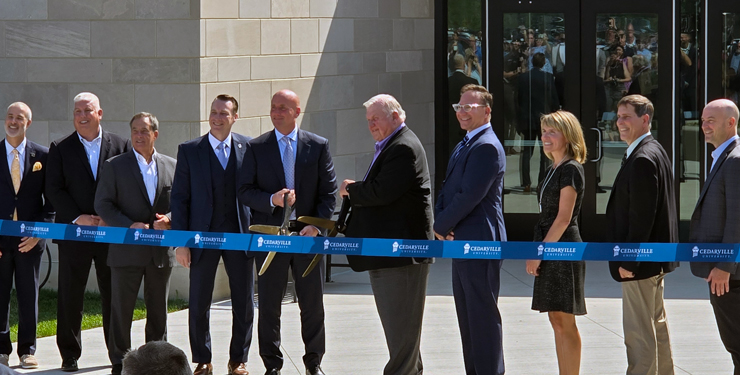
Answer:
(16, 198)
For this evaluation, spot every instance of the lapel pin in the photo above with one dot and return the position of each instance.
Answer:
(239, 145)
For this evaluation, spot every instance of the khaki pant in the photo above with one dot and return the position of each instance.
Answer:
(645, 327)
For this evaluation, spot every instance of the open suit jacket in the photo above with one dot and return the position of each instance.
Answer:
(29, 200)
(192, 191)
(122, 199)
(716, 217)
(70, 184)
(642, 207)
(262, 174)
(393, 201)
(469, 202)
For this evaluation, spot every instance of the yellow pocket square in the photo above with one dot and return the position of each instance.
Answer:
(37, 166)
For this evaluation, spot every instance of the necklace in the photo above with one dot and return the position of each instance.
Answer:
(548, 177)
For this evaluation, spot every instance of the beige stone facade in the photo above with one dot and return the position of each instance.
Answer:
(172, 57)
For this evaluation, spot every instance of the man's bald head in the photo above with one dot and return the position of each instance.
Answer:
(458, 61)
(284, 110)
(719, 121)
(727, 106)
(23, 107)
(289, 95)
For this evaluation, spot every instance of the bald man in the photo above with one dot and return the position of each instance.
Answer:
(71, 180)
(295, 162)
(21, 199)
(716, 219)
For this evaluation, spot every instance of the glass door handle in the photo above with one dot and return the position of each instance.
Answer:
(599, 145)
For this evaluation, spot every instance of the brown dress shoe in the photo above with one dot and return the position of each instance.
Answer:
(237, 368)
(203, 369)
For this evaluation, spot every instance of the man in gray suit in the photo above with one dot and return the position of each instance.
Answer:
(134, 192)
(716, 219)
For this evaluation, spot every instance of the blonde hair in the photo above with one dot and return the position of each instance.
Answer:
(567, 124)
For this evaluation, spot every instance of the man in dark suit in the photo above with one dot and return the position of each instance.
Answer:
(469, 208)
(537, 96)
(394, 200)
(455, 83)
(134, 192)
(22, 199)
(71, 180)
(642, 208)
(716, 219)
(289, 161)
(204, 198)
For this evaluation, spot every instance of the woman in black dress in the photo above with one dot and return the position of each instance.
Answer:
(558, 285)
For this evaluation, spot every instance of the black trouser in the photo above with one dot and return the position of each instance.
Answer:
(75, 260)
(727, 313)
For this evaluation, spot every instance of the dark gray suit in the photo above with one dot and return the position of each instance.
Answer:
(716, 218)
(121, 200)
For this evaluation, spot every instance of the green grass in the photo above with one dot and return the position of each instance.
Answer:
(92, 316)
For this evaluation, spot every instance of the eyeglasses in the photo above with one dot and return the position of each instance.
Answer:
(466, 107)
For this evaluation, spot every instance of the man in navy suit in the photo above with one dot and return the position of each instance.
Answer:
(71, 181)
(204, 198)
(295, 162)
(22, 199)
(469, 208)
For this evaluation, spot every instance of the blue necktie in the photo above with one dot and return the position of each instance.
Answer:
(459, 147)
(221, 154)
(289, 164)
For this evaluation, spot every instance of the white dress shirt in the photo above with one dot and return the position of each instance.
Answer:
(21, 155)
(149, 173)
(215, 142)
(92, 149)
(719, 150)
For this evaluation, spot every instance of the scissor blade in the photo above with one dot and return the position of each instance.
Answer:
(268, 260)
(265, 229)
(314, 262)
(317, 221)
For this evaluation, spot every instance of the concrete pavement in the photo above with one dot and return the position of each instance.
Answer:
(356, 346)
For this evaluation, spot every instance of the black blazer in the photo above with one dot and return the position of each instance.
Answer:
(29, 201)
(122, 199)
(537, 96)
(70, 185)
(394, 200)
(191, 200)
(261, 175)
(642, 207)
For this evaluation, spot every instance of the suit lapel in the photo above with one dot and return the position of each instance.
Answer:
(273, 151)
(372, 166)
(238, 148)
(463, 152)
(204, 150)
(160, 184)
(4, 168)
(79, 149)
(303, 149)
(30, 158)
(136, 171)
(104, 150)
(717, 165)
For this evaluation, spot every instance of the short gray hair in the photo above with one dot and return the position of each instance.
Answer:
(89, 97)
(152, 120)
(389, 105)
(24, 107)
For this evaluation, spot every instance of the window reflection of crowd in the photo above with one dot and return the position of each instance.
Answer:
(732, 80)
(464, 66)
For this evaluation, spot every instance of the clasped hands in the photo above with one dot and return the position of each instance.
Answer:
(162, 223)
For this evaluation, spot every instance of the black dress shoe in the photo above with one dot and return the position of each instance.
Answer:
(273, 371)
(117, 369)
(315, 371)
(69, 365)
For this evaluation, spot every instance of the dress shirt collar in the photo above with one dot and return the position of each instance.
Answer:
(719, 150)
(215, 142)
(293, 135)
(21, 148)
(380, 145)
(142, 160)
(95, 141)
(634, 144)
(477, 130)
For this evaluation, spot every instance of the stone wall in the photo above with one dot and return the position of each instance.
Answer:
(172, 57)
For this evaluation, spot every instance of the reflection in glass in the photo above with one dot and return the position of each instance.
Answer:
(464, 58)
(626, 64)
(690, 147)
(731, 71)
(534, 62)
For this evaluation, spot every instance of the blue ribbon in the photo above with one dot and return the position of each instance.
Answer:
(570, 251)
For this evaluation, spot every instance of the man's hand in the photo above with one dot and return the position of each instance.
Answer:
(533, 267)
(277, 198)
(27, 243)
(626, 274)
(101, 222)
(89, 220)
(450, 237)
(343, 188)
(1, 254)
(162, 222)
(139, 225)
(309, 231)
(719, 282)
(182, 254)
